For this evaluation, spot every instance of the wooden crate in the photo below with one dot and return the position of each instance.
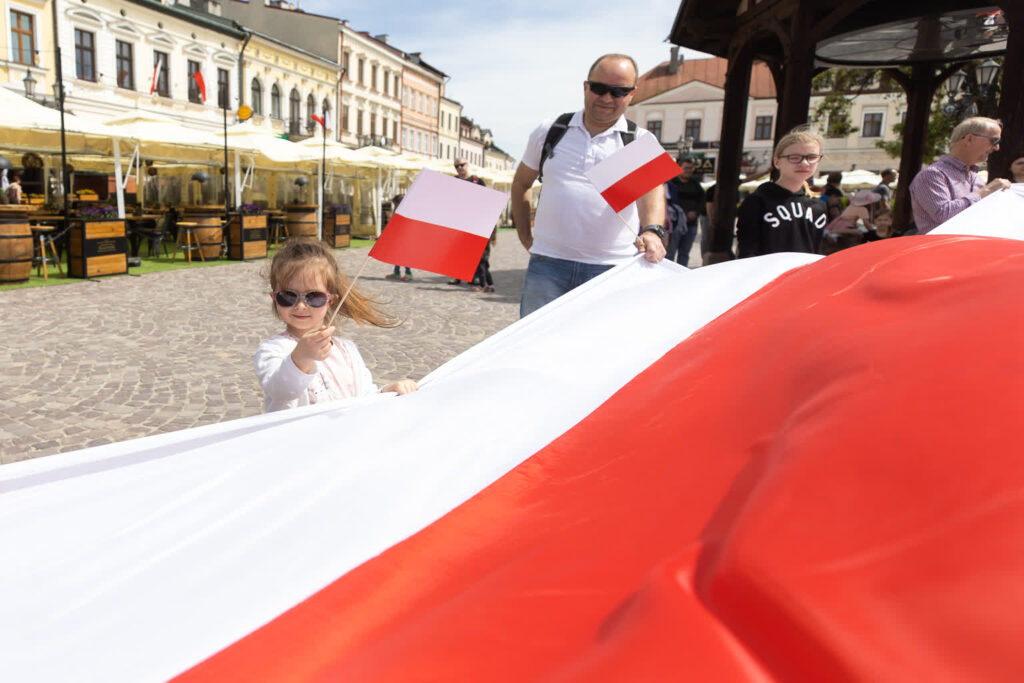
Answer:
(208, 231)
(301, 221)
(97, 247)
(247, 237)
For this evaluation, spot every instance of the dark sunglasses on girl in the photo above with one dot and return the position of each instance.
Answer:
(288, 298)
(617, 91)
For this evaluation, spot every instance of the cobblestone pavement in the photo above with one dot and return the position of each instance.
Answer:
(95, 362)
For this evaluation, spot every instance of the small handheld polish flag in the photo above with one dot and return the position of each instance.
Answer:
(632, 172)
(442, 226)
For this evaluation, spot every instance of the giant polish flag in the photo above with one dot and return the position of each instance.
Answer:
(442, 225)
(632, 172)
(783, 468)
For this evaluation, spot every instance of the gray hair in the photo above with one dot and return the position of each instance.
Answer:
(976, 125)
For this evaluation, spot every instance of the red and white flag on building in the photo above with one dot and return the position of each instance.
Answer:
(320, 120)
(442, 225)
(201, 84)
(632, 172)
(156, 75)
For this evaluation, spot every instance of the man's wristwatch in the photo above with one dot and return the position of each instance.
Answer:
(656, 229)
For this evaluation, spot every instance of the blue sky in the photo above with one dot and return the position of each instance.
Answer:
(514, 64)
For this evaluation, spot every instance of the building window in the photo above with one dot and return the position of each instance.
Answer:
(294, 113)
(223, 88)
(325, 111)
(193, 86)
(344, 117)
(161, 82)
(275, 101)
(359, 121)
(23, 40)
(692, 129)
(85, 55)
(256, 95)
(373, 77)
(344, 65)
(373, 123)
(872, 127)
(655, 128)
(362, 63)
(763, 128)
(310, 110)
(125, 65)
(394, 130)
(384, 126)
(386, 81)
(405, 96)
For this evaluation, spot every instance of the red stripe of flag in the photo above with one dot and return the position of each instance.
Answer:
(639, 182)
(156, 70)
(201, 83)
(427, 246)
(791, 536)
(320, 120)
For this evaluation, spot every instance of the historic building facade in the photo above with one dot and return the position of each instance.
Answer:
(371, 90)
(422, 90)
(682, 104)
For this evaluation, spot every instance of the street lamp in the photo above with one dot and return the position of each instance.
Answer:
(969, 93)
(30, 85)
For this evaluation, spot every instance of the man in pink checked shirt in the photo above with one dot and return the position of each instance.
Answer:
(951, 184)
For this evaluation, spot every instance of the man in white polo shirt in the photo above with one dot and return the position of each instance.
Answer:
(576, 235)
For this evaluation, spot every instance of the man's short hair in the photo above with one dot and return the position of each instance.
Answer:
(615, 55)
(685, 160)
(976, 125)
(834, 178)
(799, 136)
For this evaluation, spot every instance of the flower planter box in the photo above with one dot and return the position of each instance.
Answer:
(338, 229)
(247, 237)
(97, 247)
(87, 197)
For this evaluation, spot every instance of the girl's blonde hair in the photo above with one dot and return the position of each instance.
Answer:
(797, 136)
(299, 255)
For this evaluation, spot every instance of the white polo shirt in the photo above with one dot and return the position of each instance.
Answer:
(573, 220)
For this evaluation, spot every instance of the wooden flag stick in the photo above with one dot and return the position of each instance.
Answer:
(345, 295)
(629, 228)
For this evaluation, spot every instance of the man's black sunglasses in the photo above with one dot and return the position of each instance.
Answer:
(617, 91)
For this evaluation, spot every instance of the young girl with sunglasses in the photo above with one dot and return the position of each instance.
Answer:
(306, 363)
(779, 216)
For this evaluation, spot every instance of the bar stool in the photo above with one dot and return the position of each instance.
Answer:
(45, 235)
(278, 230)
(186, 229)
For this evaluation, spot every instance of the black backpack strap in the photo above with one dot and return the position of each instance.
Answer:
(630, 133)
(555, 133)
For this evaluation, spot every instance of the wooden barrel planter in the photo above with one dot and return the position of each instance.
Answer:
(15, 247)
(337, 229)
(97, 247)
(247, 237)
(300, 220)
(208, 232)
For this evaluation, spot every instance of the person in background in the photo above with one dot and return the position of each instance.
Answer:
(884, 188)
(396, 274)
(833, 195)
(686, 196)
(1017, 170)
(853, 224)
(951, 184)
(779, 216)
(14, 190)
(883, 225)
(462, 173)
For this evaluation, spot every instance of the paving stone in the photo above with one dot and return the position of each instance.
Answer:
(127, 357)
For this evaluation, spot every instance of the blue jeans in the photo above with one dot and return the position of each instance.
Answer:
(679, 245)
(548, 278)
